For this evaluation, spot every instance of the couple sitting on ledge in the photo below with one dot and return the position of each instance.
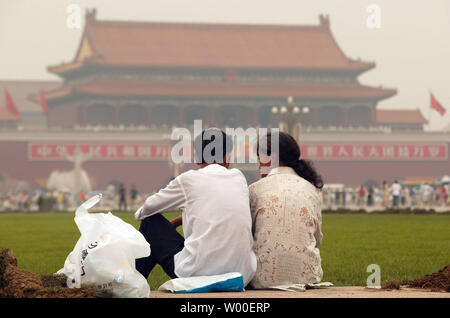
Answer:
(269, 232)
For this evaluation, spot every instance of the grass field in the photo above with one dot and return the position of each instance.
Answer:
(404, 246)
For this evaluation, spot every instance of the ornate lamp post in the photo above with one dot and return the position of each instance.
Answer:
(289, 117)
(176, 168)
(174, 165)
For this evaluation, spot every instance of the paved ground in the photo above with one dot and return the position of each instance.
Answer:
(330, 292)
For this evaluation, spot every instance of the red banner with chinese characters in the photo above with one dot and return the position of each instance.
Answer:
(375, 151)
(320, 151)
(96, 151)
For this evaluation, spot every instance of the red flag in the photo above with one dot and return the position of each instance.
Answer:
(9, 103)
(434, 104)
(43, 103)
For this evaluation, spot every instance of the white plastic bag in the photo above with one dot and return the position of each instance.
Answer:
(105, 254)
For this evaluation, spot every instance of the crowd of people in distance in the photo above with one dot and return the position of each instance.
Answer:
(118, 198)
(114, 199)
(395, 195)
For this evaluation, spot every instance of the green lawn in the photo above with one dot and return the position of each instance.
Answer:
(405, 246)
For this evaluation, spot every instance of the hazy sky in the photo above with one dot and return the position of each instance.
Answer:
(411, 48)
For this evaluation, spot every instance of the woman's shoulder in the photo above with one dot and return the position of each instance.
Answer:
(256, 184)
(263, 185)
(287, 180)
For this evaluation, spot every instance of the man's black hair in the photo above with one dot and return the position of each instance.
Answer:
(210, 150)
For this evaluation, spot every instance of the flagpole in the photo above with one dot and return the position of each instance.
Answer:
(44, 106)
(429, 112)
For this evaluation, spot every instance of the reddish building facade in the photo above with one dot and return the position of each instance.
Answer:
(141, 158)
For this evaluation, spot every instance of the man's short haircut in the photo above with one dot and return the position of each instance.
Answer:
(212, 145)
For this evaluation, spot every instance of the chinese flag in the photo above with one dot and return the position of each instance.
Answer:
(9, 103)
(434, 104)
(43, 102)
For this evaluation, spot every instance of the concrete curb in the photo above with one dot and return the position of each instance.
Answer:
(330, 292)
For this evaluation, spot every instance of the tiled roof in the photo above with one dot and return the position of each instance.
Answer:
(203, 45)
(400, 116)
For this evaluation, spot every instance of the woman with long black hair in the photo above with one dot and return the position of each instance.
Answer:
(286, 213)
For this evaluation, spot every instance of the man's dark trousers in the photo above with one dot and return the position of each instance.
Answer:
(164, 241)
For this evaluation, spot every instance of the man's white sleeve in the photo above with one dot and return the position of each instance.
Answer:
(171, 198)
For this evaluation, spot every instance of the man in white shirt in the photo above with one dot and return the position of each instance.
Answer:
(427, 193)
(396, 189)
(216, 218)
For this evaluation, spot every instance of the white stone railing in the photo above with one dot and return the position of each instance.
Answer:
(337, 129)
(168, 128)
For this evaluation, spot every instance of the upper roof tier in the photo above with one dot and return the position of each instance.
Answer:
(202, 45)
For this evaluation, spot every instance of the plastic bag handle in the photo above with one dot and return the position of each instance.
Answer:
(89, 203)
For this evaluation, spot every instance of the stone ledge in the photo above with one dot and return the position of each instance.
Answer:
(331, 292)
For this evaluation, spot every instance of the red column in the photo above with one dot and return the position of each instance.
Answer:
(345, 117)
(117, 115)
(315, 113)
(80, 115)
(373, 120)
(255, 115)
(83, 119)
(181, 121)
(212, 116)
(149, 115)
